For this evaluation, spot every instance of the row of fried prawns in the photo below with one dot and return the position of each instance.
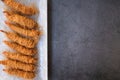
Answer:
(23, 40)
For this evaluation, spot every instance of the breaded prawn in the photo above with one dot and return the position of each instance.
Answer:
(19, 73)
(18, 65)
(27, 10)
(20, 57)
(29, 43)
(21, 20)
(21, 49)
(24, 32)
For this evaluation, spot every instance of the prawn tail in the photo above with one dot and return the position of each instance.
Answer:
(5, 53)
(2, 62)
(7, 42)
(6, 13)
(3, 31)
(3, 0)
(6, 22)
(4, 70)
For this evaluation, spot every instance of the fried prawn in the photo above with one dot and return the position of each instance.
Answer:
(18, 65)
(21, 20)
(21, 49)
(19, 57)
(27, 10)
(20, 73)
(24, 32)
(29, 43)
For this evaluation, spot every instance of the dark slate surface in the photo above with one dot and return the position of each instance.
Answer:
(84, 39)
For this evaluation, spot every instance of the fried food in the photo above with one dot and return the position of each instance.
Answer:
(21, 20)
(29, 43)
(27, 10)
(20, 57)
(18, 65)
(21, 49)
(24, 32)
(20, 73)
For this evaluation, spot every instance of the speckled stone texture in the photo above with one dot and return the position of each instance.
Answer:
(84, 39)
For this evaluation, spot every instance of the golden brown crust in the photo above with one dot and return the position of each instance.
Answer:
(25, 32)
(21, 20)
(21, 49)
(19, 73)
(29, 43)
(27, 10)
(18, 65)
(21, 63)
(20, 57)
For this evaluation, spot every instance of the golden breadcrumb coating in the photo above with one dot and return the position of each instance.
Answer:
(27, 10)
(24, 32)
(20, 57)
(19, 73)
(21, 49)
(29, 43)
(18, 65)
(21, 20)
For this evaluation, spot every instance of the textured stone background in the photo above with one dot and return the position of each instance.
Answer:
(84, 39)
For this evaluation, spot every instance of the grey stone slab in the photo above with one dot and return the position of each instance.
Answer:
(84, 39)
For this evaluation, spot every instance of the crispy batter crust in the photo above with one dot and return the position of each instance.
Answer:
(21, 20)
(18, 65)
(25, 32)
(21, 49)
(27, 10)
(19, 73)
(29, 43)
(20, 57)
